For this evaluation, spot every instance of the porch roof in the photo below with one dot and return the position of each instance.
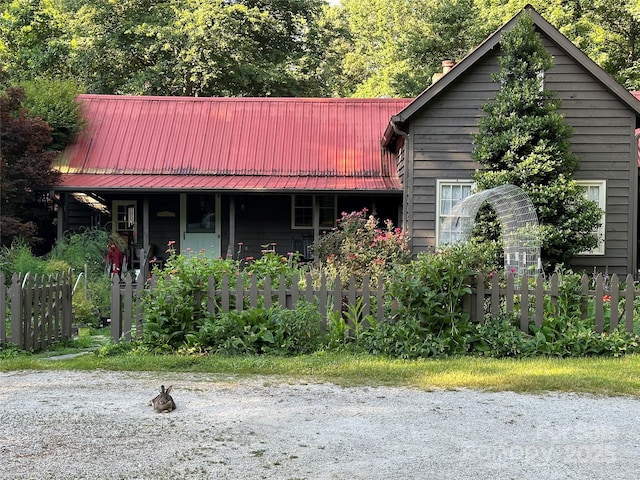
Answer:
(263, 183)
(172, 143)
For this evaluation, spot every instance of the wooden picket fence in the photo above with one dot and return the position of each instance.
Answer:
(36, 310)
(232, 293)
(612, 302)
(525, 297)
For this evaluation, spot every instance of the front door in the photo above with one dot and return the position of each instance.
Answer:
(125, 224)
(200, 224)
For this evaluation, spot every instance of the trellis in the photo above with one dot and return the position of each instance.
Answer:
(520, 233)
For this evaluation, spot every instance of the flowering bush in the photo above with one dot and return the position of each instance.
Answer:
(358, 246)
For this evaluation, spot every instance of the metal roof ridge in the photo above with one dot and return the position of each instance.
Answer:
(243, 99)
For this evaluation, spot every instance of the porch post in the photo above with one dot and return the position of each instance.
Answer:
(232, 226)
(316, 219)
(144, 255)
(60, 203)
(145, 223)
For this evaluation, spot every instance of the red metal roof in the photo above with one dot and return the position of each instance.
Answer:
(231, 144)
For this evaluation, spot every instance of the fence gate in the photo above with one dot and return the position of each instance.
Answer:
(35, 310)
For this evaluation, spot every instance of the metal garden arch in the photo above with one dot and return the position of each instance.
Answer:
(520, 234)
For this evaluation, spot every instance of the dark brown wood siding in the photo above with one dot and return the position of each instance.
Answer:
(603, 139)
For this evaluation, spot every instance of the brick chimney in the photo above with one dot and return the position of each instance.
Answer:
(446, 66)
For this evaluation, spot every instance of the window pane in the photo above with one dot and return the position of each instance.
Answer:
(201, 213)
(327, 211)
(449, 195)
(303, 211)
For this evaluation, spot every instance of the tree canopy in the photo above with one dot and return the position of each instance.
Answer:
(25, 171)
(285, 47)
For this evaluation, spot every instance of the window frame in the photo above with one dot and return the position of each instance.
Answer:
(602, 203)
(315, 210)
(439, 184)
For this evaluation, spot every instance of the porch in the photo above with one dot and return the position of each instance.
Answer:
(219, 224)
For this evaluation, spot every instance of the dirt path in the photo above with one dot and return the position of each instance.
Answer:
(97, 425)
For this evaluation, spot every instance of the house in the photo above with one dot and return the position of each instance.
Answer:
(226, 176)
(230, 175)
(432, 140)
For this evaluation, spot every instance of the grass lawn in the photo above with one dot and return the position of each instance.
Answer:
(595, 375)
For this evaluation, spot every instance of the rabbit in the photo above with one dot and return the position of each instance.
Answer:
(163, 402)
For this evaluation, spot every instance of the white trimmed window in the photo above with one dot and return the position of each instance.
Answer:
(449, 192)
(302, 211)
(596, 190)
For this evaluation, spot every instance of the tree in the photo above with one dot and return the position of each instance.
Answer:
(26, 172)
(523, 140)
(55, 102)
(34, 37)
(170, 47)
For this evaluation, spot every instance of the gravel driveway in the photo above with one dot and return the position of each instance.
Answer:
(97, 425)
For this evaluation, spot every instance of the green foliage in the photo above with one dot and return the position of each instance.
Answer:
(273, 265)
(84, 310)
(259, 331)
(177, 304)
(18, 258)
(350, 329)
(54, 101)
(523, 140)
(356, 48)
(26, 173)
(499, 338)
(85, 247)
(428, 299)
(359, 247)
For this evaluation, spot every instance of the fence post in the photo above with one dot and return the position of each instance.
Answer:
(282, 291)
(139, 292)
(366, 296)
(67, 302)
(539, 300)
(295, 290)
(337, 295)
(116, 312)
(239, 293)
(27, 312)
(322, 299)
(629, 297)
(614, 314)
(475, 301)
(224, 302)
(3, 307)
(584, 304)
(15, 295)
(127, 308)
(211, 295)
(380, 300)
(268, 298)
(524, 303)
(599, 303)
